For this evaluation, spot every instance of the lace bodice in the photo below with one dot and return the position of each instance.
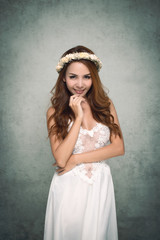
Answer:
(89, 140)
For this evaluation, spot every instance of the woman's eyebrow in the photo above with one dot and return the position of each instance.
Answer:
(72, 73)
(76, 74)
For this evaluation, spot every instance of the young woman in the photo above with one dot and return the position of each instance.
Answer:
(84, 131)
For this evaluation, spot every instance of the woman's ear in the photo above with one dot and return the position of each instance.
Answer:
(64, 80)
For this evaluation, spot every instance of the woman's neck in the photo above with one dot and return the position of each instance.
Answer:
(88, 121)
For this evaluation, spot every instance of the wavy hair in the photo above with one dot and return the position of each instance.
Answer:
(96, 96)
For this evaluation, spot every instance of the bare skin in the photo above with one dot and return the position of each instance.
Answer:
(83, 117)
(60, 146)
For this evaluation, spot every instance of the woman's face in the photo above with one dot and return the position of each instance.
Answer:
(78, 79)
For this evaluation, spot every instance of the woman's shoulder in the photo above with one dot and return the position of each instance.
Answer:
(111, 104)
(50, 111)
(110, 100)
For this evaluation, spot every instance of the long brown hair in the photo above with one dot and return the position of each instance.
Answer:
(96, 96)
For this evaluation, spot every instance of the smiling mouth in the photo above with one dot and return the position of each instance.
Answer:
(79, 91)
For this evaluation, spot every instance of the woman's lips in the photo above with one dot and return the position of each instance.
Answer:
(79, 91)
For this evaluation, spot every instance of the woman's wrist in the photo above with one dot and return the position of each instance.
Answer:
(79, 119)
(76, 159)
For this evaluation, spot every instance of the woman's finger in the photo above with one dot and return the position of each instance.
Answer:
(59, 169)
(61, 173)
(75, 97)
(54, 164)
(78, 100)
(72, 99)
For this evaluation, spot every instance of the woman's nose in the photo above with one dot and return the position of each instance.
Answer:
(80, 83)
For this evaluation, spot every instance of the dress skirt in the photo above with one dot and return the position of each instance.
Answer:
(77, 210)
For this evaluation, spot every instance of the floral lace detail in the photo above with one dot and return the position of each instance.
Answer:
(89, 175)
(89, 140)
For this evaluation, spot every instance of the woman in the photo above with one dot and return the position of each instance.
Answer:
(84, 131)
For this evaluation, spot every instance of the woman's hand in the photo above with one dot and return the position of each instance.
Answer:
(75, 105)
(69, 166)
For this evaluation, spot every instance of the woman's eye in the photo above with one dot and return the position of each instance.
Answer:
(72, 77)
(87, 77)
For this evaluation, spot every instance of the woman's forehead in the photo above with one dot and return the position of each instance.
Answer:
(77, 67)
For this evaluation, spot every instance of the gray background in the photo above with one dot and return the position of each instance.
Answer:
(125, 36)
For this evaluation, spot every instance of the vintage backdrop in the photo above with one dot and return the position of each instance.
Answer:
(126, 36)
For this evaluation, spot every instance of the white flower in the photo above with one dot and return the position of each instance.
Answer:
(93, 57)
(64, 59)
(77, 56)
(58, 68)
(83, 55)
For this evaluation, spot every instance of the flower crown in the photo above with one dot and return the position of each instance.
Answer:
(77, 56)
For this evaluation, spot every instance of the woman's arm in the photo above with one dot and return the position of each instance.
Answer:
(112, 150)
(62, 149)
(115, 148)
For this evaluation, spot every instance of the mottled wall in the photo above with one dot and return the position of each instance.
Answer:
(125, 36)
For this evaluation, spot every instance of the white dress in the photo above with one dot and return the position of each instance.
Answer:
(81, 202)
